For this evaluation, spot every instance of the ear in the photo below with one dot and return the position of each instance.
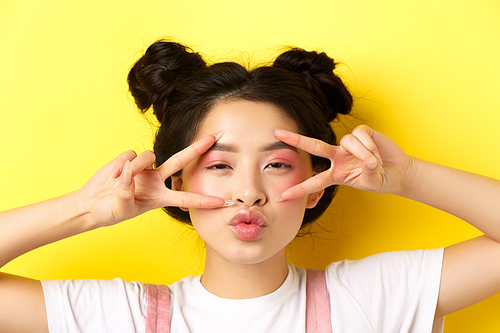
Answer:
(313, 198)
(177, 185)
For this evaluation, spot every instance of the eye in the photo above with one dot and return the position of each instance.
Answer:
(219, 166)
(278, 165)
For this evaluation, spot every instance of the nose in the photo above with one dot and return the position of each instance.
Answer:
(249, 190)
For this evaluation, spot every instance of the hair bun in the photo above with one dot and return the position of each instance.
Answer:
(316, 70)
(156, 73)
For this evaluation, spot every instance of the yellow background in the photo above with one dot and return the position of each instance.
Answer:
(426, 73)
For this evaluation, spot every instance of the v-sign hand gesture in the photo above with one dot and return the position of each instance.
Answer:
(129, 186)
(365, 159)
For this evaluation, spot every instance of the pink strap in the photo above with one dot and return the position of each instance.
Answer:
(318, 318)
(158, 309)
(317, 305)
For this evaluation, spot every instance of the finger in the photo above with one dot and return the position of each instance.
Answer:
(118, 163)
(311, 185)
(310, 145)
(372, 178)
(365, 135)
(194, 200)
(352, 144)
(180, 160)
(144, 160)
(126, 192)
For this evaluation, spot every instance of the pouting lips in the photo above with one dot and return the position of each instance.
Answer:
(248, 225)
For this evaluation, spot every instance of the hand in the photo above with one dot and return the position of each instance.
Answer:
(365, 159)
(129, 186)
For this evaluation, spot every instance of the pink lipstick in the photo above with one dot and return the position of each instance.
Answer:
(248, 225)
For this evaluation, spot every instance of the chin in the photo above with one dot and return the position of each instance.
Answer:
(252, 256)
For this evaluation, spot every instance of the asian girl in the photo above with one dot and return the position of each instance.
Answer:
(248, 158)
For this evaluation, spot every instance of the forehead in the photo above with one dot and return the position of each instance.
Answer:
(246, 119)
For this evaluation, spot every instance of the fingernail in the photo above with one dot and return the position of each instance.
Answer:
(372, 163)
(272, 130)
(218, 135)
(228, 203)
(126, 176)
(377, 155)
(114, 174)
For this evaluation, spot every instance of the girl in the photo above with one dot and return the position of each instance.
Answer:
(248, 158)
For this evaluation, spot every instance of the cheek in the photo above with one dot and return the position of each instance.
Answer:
(279, 186)
(299, 175)
(201, 184)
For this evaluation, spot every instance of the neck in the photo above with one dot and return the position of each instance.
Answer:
(233, 280)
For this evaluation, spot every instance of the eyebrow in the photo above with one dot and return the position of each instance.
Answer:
(278, 145)
(232, 149)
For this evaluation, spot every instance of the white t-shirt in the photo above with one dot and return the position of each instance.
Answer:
(387, 292)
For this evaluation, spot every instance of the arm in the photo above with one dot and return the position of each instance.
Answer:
(126, 187)
(29, 227)
(471, 267)
(471, 197)
(22, 303)
(368, 160)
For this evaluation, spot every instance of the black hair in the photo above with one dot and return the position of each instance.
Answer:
(181, 88)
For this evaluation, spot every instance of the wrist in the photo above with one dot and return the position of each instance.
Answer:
(81, 211)
(409, 180)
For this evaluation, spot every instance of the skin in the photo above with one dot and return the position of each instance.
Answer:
(250, 167)
(370, 161)
(366, 160)
(125, 187)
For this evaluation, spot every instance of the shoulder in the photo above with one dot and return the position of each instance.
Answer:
(388, 290)
(389, 264)
(409, 273)
(116, 304)
(89, 290)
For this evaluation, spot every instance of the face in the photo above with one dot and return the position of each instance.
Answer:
(251, 167)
